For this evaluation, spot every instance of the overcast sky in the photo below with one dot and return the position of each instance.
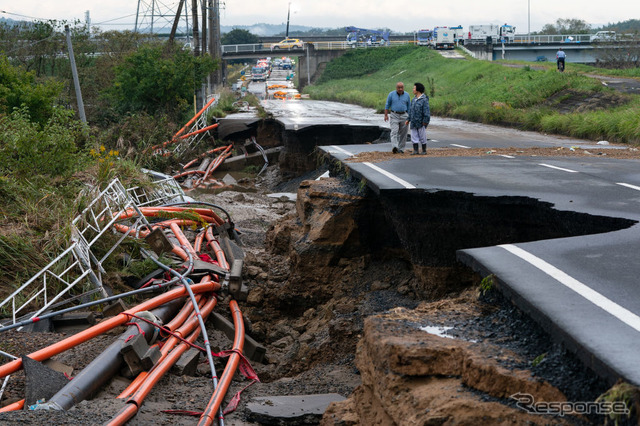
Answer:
(402, 16)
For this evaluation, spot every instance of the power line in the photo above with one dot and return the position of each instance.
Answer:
(25, 16)
(116, 19)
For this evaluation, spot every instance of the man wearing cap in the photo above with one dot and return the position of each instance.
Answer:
(397, 105)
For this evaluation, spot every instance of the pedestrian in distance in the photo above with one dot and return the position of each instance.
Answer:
(395, 111)
(560, 57)
(418, 119)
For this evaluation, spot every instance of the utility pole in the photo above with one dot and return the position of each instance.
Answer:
(174, 28)
(74, 73)
(204, 27)
(196, 52)
(286, 34)
(214, 42)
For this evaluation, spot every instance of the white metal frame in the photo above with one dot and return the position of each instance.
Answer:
(78, 264)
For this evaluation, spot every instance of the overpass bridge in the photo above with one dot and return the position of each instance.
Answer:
(523, 48)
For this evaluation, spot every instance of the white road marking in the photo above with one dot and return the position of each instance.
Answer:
(402, 182)
(460, 146)
(344, 151)
(507, 156)
(432, 140)
(606, 304)
(558, 168)
(637, 188)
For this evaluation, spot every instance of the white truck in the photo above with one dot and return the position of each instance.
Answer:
(498, 33)
(443, 38)
(424, 37)
(459, 35)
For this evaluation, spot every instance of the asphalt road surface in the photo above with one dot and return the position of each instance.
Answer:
(584, 290)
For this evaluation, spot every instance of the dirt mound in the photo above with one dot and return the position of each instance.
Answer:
(378, 156)
(413, 377)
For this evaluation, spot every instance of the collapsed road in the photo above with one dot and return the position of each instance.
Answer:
(595, 275)
(354, 293)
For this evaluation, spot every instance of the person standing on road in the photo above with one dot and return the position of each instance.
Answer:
(397, 106)
(560, 57)
(419, 117)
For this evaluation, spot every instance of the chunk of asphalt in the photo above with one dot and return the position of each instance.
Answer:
(290, 410)
(41, 381)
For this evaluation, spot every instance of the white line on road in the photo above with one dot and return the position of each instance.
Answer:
(344, 151)
(460, 146)
(637, 188)
(507, 156)
(402, 182)
(558, 168)
(623, 314)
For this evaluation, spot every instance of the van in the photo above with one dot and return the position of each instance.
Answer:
(603, 36)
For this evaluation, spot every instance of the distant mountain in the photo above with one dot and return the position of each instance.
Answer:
(265, 29)
(629, 26)
(8, 21)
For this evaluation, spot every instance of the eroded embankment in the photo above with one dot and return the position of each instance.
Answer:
(353, 267)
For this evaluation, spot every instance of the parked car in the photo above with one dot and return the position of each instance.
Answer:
(289, 43)
(603, 36)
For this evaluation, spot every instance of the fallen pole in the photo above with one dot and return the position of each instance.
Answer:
(105, 365)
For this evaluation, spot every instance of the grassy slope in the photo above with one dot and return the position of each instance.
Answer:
(482, 91)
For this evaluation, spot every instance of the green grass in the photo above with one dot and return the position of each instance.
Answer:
(480, 91)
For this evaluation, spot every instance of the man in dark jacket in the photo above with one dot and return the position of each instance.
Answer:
(419, 117)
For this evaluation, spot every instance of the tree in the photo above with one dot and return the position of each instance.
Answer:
(567, 26)
(238, 36)
(153, 79)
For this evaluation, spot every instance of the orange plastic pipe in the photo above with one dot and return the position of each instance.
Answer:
(213, 407)
(152, 378)
(184, 330)
(217, 250)
(211, 151)
(106, 325)
(13, 407)
(153, 212)
(195, 117)
(197, 243)
(181, 238)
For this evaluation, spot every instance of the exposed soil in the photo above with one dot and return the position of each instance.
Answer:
(574, 101)
(341, 307)
(607, 151)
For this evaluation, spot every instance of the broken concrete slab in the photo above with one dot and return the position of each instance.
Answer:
(73, 322)
(132, 352)
(290, 410)
(41, 381)
(114, 309)
(42, 326)
(58, 366)
(253, 350)
(187, 365)
(229, 180)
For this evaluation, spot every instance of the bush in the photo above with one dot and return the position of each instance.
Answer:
(19, 89)
(50, 149)
(154, 80)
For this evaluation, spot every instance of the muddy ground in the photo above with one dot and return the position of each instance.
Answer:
(340, 316)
